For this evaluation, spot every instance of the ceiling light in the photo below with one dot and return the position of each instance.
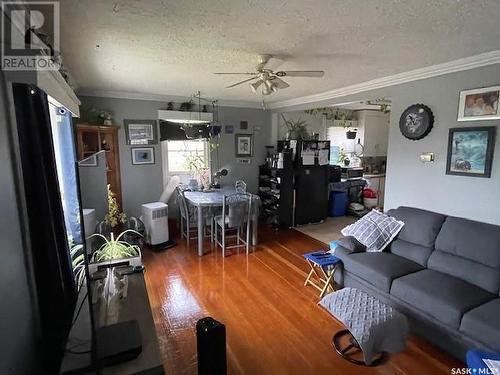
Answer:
(254, 86)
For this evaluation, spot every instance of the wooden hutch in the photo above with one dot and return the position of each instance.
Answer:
(94, 138)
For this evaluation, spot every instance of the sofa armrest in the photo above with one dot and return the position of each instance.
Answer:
(348, 245)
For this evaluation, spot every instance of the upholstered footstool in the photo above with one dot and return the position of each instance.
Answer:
(372, 326)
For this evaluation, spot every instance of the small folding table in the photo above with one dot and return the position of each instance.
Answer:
(323, 266)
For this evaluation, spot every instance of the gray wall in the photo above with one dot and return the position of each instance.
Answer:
(17, 322)
(409, 182)
(94, 186)
(144, 183)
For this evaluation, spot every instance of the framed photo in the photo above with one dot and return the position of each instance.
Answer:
(90, 161)
(141, 132)
(143, 155)
(229, 129)
(244, 145)
(479, 104)
(244, 125)
(470, 151)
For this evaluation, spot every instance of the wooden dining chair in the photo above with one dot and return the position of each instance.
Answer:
(235, 218)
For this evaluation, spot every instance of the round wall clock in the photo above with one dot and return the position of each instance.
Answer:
(416, 122)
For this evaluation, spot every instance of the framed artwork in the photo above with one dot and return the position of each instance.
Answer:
(90, 161)
(244, 145)
(479, 104)
(229, 129)
(141, 132)
(244, 125)
(470, 151)
(143, 155)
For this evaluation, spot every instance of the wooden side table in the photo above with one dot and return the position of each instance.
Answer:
(319, 276)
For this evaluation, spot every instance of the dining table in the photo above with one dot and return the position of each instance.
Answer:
(214, 198)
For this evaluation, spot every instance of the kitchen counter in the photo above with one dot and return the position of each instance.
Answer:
(374, 175)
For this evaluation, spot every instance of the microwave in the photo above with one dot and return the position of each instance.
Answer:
(351, 173)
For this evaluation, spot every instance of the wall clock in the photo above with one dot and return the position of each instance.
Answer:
(416, 122)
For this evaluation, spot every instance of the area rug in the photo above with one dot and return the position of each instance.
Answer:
(327, 231)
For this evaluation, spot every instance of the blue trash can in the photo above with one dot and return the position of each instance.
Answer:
(338, 203)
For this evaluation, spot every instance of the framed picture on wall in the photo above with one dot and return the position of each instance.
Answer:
(244, 145)
(479, 104)
(143, 155)
(141, 132)
(470, 151)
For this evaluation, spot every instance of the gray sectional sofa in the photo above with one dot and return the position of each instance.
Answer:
(442, 272)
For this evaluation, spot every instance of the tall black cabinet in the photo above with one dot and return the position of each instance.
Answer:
(297, 192)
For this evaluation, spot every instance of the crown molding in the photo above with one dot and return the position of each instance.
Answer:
(476, 61)
(160, 98)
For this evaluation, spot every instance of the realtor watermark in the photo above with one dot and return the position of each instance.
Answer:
(30, 35)
(473, 371)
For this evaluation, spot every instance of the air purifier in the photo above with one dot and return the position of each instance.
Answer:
(155, 219)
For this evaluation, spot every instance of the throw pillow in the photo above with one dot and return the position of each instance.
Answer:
(375, 230)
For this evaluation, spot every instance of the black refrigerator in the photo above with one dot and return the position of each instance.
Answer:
(311, 179)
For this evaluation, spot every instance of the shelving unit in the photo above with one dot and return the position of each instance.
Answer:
(276, 194)
(95, 138)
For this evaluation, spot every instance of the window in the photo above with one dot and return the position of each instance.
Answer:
(179, 153)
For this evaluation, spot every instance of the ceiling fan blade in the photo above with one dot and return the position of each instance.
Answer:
(300, 73)
(279, 83)
(239, 83)
(247, 74)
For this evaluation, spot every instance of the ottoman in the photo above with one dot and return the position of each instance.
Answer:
(372, 326)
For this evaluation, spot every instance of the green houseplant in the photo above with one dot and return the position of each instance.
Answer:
(114, 215)
(113, 248)
(296, 129)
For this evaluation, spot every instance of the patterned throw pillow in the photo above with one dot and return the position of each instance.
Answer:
(375, 230)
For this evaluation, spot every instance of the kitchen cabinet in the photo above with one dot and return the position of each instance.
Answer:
(373, 132)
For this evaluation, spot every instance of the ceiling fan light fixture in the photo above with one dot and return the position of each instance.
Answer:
(254, 86)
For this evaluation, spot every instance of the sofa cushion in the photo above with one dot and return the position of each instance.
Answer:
(441, 296)
(469, 250)
(421, 226)
(375, 230)
(379, 269)
(483, 324)
(416, 253)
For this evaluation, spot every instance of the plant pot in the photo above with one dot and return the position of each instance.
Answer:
(131, 261)
(351, 134)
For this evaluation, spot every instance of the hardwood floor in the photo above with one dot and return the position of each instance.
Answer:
(273, 322)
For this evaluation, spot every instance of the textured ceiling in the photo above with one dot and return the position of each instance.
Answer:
(172, 47)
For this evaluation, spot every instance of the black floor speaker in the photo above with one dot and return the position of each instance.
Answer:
(211, 345)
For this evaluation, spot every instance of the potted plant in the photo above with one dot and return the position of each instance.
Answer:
(114, 250)
(296, 129)
(114, 217)
(199, 171)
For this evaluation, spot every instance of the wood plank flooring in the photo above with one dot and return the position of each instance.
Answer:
(274, 325)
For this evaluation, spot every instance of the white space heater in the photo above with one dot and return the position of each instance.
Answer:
(155, 219)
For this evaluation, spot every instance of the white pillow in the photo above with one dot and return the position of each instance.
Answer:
(375, 230)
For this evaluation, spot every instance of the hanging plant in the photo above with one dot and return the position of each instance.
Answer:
(332, 114)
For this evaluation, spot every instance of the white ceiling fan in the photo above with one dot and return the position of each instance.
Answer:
(269, 80)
